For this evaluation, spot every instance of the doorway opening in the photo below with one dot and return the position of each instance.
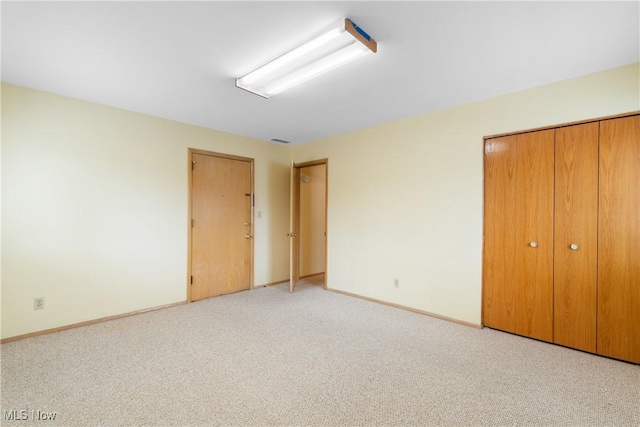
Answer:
(309, 223)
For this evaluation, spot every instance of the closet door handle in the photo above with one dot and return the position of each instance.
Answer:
(574, 246)
(533, 244)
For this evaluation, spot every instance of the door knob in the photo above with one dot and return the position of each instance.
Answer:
(574, 246)
(533, 244)
(248, 236)
(246, 223)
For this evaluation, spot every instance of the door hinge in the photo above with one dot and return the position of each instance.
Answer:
(191, 222)
(191, 280)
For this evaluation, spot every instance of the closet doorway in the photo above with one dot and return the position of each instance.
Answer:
(308, 257)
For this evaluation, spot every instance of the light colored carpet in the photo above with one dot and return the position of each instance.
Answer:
(267, 357)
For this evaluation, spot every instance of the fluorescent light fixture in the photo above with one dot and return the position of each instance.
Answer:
(338, 45)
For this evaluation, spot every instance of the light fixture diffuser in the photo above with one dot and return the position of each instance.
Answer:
(338, 45)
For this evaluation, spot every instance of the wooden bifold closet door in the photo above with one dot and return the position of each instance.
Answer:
(619, 239)
(575, 240)
(518, 269)
(561, 255)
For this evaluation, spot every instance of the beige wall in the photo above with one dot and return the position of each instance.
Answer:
(405, 198)
(312, 219)
(94, 208)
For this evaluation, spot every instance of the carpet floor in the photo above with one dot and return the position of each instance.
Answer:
(266, 357)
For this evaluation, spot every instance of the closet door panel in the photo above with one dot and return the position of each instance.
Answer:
(576, 222)
(534, 235)
(500, 160)
(618, 332)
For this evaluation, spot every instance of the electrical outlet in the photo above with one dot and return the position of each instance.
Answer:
(396, 283)
(38, 303)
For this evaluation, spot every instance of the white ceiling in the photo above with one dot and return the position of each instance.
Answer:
(178, 60)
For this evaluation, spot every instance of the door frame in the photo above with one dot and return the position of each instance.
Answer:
(294, 248)
(190, 163)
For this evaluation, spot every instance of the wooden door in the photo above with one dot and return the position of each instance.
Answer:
(534, 235)
(221, 233)
(576, 229)
(518, 234)
(500, 162)
(619, 240)
(294, 221)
